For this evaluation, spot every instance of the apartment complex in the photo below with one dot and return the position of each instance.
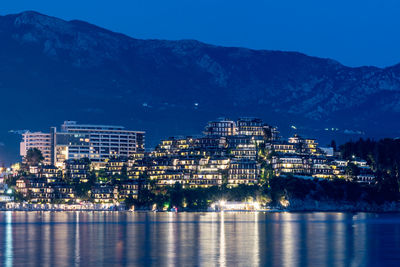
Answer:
(39, 140)
(76, 141)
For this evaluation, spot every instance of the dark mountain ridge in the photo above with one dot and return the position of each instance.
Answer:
(53, 70)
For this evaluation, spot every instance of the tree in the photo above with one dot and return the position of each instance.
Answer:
(124, 173)
(352, 170)
(176, 195)
(33, 157)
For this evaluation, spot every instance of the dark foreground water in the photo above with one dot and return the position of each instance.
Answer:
(199, 239)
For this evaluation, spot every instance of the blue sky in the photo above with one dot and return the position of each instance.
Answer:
(354, 32)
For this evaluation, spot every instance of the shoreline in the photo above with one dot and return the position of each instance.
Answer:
(295, 205)
(208, 211)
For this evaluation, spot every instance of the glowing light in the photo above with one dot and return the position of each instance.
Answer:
(284, 202)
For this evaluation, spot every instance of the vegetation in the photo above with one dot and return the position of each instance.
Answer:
(33, 157)
(287, 188)
(384, 158)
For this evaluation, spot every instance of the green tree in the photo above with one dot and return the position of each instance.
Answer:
(33, 157)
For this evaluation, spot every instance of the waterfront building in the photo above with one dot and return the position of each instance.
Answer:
(39, 140)
(34, 188)
(126, 189)
(102, 193)
(76, 141)
(243, 172)
(77, 170)
(61, 192)
(40, 190)
(206, 178)
(169, 177)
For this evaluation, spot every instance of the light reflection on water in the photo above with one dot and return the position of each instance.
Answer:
(193, 239)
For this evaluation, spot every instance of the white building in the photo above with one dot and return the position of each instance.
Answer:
(39, 140)
(75, 141)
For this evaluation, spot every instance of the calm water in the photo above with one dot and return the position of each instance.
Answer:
(199, 239)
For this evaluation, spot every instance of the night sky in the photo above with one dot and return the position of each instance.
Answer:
(356, 32)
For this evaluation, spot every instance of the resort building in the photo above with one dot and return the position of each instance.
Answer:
(77, 170)
(76, 141)
(243, 172)
(39, 140)
(221, 127)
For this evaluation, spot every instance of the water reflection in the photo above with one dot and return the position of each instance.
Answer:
(222, 256)
(8, 250)
(192, 239)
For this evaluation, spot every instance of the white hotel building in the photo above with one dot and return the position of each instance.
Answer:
(39, 140)
(74, 141)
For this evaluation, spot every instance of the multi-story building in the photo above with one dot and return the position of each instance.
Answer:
(40, 190)
(304, 145)
(283, 147)
(117, 166)
(243, 172)
(39, 140)
(256, 128)
(250, 126)
(126, 189)
(76, 141)
(206, 178)
(221, 127)
(102, 193)
(98, 142)
(77, 170)
(48, 171)
(245, 152)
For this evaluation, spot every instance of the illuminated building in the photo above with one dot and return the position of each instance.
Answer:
(47, 171)
(221, 127)
(77, 170)
(304, 145)
(76, 141)
(256, 128)
(285, 148)
(243, 172)
(40, 190)
(117, 166)
(102, 193)
(39, 140)
(245, 151)
(126, 189)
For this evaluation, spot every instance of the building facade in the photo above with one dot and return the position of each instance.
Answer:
(39, 140)
(77, 141)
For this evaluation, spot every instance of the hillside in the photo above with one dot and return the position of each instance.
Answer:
(53, 70)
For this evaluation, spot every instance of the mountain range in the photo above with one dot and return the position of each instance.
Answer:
(53, 70)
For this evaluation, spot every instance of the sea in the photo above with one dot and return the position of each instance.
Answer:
(84, 238)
